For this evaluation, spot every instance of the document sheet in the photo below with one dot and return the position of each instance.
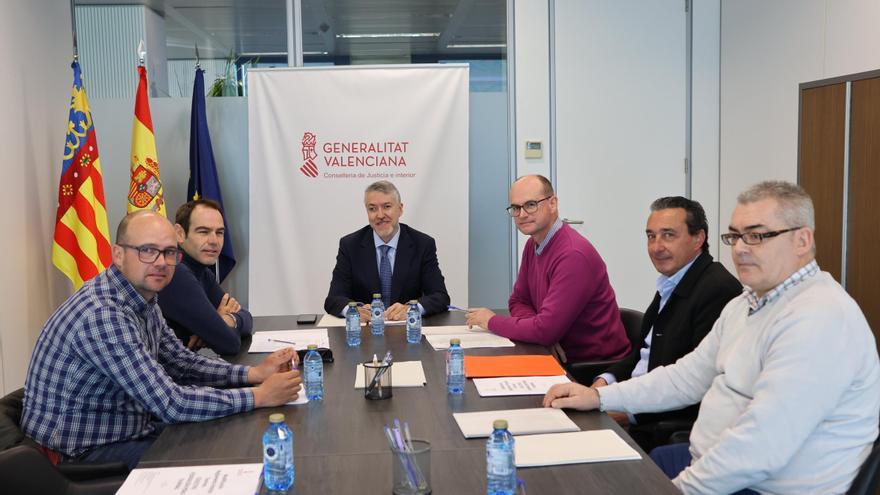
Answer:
(454, 330)
(520, 385)
(403, 374)
(469, 340)
(279, 339)
(231, 479)
(519, 421)
(572, 448)
(330, 321)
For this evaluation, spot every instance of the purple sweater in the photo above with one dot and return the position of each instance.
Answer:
(563, 295)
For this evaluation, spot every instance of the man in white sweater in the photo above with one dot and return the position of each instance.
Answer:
(789, 376)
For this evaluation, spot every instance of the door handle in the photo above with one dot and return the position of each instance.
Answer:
(572, 222)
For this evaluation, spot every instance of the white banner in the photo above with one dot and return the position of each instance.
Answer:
(317, 137)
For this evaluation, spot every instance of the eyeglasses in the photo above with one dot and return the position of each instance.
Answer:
(149, 254)
(753, 238)
(529, 206)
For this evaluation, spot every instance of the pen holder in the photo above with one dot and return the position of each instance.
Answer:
(411, 469)
(377, 380)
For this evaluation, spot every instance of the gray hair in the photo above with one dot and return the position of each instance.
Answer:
(795, 205)
(384, 187)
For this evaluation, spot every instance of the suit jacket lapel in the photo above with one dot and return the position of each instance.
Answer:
(402, 259)
(650, 318)
(682, 291)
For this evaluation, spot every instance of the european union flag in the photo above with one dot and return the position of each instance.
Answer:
(203, 181)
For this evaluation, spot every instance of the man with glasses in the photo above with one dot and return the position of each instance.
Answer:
(789, 375)
(107, 373)
(562, 294)
(389, 258)
(199, 311)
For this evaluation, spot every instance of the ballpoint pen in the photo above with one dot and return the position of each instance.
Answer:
(282, 341)
(456, 308)
(385, 362)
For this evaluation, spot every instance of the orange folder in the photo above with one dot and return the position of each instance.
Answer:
(514, 365)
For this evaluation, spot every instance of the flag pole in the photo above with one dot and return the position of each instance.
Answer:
(142, 52)
(73, 29)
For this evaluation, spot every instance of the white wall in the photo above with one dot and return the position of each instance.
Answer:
(767, 49)
(532, 73)
(706, 56)
(621, 111)
(35, 84)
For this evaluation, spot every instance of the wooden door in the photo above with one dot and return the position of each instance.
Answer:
(863, 262)
(821, 166)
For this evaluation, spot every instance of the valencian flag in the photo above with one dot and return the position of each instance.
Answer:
(145, 191)
(81, 246)
(203, 181)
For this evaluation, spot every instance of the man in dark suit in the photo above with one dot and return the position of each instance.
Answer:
(691, 291)
(389, 258)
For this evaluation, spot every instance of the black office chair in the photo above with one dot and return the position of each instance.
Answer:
(586, 372)
(25, 470)
(867, 481)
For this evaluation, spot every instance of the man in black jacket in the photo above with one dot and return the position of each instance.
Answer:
(691, 291)
(388, 258)
(201, 313)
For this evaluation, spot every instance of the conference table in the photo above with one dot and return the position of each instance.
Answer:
(340, 446)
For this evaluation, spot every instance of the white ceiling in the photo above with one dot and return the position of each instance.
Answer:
(259, 26)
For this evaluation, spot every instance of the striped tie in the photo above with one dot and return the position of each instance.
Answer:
(385, 275)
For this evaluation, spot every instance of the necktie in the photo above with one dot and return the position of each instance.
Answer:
(385, 275)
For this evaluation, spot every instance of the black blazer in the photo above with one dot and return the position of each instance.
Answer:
(687, 317)
(416, 272)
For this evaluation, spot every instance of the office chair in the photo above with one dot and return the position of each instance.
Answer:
(586, 372)
(25, 470)
(867, 481)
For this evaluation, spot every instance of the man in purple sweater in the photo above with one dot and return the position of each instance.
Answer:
(562, 294)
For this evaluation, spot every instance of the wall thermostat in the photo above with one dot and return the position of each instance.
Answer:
(534, 149)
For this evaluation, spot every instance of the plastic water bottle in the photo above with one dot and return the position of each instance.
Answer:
(413, 323)
(314, 369)
(455, 367)
(377, 315)
(352, 325)
(277, 454)
(500, 464)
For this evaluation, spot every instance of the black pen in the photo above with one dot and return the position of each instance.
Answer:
(283, 341)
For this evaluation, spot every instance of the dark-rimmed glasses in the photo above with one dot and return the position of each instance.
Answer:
(529, 206)
(753, 238)
(149, 254)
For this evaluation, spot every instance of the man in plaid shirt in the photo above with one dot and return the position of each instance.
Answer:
(107, 373)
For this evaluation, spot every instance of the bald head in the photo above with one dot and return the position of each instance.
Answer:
(533, 206)
(141, 218)
(138, 233)
(536, 179)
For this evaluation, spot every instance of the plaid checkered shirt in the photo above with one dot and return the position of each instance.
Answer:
(756, 303)
(106, 366)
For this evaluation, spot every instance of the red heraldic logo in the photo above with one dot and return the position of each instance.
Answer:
(308, 168)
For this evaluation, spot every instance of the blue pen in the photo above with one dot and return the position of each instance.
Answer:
(456, 308)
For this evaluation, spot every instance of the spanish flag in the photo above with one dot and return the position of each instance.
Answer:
(81, 245)
(145, 190)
